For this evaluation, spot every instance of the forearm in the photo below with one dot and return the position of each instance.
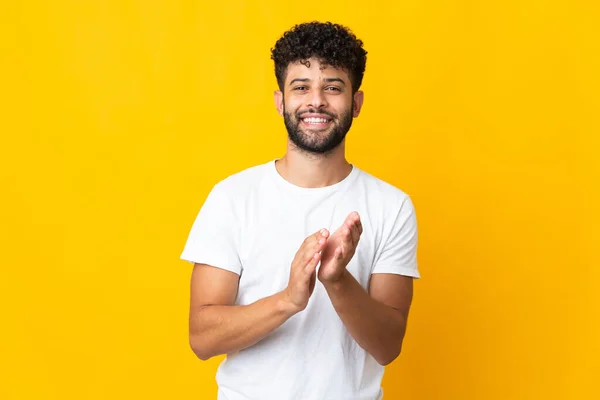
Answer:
(218, 329)
(376, 327)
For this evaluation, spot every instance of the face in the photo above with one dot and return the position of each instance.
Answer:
(317, 106)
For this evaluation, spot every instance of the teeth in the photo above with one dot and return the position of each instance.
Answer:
(315, 120)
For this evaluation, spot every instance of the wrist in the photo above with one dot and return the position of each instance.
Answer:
(337, 282)
(285, 305)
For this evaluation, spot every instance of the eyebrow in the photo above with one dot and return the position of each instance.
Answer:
(328, 80)
(335, 80)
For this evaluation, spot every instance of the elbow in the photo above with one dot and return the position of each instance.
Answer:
(390, 352)
(383, 361)
(386, 359)
(202, 355)
(200, 342)
(200, 349)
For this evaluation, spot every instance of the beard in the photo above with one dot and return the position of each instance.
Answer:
(318, 141)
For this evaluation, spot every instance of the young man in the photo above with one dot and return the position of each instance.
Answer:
(303, 266)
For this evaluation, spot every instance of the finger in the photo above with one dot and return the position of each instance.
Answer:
(356, 228)
(338, 254)
(311, 266)
(320, 240)
(350, 219)
(311, 239)
(314, 242)
(348, 239)
(323, 233)
(316, 237)
(358, 224)
(320, 244)
(310, 251)
(355, 235)
(344, 244)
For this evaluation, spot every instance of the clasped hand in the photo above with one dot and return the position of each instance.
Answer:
(334, 252)
(340, 249)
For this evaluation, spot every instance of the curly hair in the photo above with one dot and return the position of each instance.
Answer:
(332, 44)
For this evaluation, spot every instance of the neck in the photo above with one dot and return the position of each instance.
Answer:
(310, 170)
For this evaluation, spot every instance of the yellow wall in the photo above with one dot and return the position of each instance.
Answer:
(118, 116)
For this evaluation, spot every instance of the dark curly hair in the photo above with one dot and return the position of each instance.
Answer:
(334, 45)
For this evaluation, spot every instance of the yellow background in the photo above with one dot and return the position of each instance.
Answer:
(117, 117)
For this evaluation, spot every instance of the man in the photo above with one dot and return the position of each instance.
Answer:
(303, 266)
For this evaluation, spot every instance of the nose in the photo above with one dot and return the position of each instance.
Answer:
(317, 99)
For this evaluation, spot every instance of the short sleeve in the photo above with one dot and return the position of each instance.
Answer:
(399, 251)
(213, 239)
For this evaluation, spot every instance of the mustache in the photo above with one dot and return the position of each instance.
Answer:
(313, 111)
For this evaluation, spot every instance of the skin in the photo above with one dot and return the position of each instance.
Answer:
(376, 318)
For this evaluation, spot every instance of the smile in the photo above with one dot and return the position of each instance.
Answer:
(315, 121)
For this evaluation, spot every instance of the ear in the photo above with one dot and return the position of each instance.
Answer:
(359, 97)
(278, 96)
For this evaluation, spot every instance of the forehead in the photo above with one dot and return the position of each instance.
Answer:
(314, 69)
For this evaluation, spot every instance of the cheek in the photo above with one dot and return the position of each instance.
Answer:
(341, 104)
(291, 106)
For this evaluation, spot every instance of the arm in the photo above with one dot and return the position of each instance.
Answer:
(376, 320)
(219, 327)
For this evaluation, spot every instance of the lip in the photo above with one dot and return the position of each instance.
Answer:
(321, 125)
(312, 115)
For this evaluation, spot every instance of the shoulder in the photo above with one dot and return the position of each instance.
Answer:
(386, 194)
(243, 181)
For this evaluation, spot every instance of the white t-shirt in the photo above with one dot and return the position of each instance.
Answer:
(253, 223)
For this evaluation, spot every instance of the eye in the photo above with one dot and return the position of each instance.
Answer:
(300, 88)
(332, 89)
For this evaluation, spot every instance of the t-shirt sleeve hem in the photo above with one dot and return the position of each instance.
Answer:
(212, 262)
(394, 269)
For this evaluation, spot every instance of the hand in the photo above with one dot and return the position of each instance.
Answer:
(303, 271)
(340, 249)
